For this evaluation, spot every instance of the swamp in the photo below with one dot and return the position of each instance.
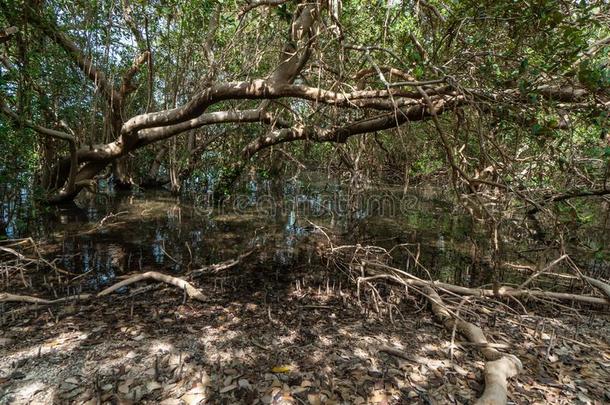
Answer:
(304, 202)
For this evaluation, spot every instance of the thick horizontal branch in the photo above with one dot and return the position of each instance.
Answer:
(340, 134)
(262, 89)
(41, 130)
(148, 136)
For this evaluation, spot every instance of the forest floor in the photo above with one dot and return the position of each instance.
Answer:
(293, 337)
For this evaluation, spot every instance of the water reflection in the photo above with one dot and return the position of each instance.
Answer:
(109, 236)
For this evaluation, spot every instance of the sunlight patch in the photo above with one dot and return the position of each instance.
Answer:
(30, 390)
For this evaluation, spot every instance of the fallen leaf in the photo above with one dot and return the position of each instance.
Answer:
(286, 368)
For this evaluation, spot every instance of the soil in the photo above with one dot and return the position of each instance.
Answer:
(288, 336)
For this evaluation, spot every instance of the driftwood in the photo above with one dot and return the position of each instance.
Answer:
(190, 290)
(499, 367)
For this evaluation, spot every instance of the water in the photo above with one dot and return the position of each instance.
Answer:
(109, 236)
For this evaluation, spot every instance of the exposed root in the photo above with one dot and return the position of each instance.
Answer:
(499, 367)
(502, 291)
(189, 289)
(5, 297)
(600, 285)
(497, 373)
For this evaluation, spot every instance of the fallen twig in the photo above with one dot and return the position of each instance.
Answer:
(214, 268)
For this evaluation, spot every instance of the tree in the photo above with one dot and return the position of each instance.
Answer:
(518, 78)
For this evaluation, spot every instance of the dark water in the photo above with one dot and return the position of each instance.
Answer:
(107, 236)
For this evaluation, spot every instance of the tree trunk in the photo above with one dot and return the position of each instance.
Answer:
(120, 174)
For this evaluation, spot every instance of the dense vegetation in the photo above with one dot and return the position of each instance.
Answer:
(505, 103)
(517, 96)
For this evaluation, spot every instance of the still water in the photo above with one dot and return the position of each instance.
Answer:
(110, 235)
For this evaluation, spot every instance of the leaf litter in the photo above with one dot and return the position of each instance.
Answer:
(261, 340)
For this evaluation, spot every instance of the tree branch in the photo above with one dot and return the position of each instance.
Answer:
(126, 86)
(340, 134)
(7, 33)
(85, 64)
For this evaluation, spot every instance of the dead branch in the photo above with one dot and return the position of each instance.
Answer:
(13, 252)
(214, 268)
(6, 297)
(397, 353)
(190, 290)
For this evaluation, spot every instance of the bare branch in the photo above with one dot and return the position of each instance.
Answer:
(41, 130)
